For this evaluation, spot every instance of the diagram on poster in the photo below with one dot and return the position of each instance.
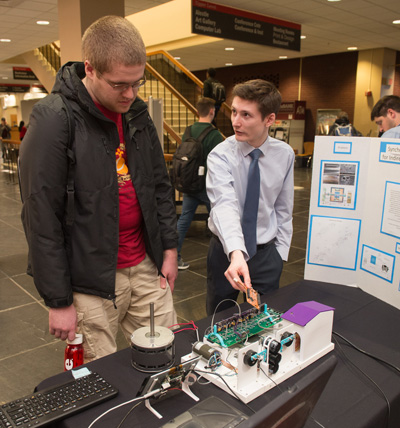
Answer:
(377, 263)
(391, 210)
(333, 242)
(338, 184)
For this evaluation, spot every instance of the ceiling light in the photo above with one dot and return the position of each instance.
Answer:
(5, 77)
(333, 0)
(352, 48)
(303, 37)
(42, 22)
(228, 64)
(229, 49)
(283, 57)
(177, 57)
(5, 40)
(396, 21)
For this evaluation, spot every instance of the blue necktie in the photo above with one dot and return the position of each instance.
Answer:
(250, 210)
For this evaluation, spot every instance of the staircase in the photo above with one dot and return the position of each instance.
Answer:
(166, 79)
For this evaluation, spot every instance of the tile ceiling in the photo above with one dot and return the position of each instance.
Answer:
(329, 27)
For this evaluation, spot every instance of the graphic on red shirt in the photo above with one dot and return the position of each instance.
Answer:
(131, 249)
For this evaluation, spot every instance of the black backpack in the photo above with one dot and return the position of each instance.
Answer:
(187, 173)
(218, 92)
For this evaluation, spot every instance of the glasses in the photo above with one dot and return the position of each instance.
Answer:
(122, 87)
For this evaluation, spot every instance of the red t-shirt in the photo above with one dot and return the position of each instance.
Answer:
(131, 249)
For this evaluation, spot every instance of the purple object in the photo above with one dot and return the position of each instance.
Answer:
(303, 313)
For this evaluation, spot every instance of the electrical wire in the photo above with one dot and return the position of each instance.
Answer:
(130, 411)
(366, 353)
(362, 372)
(144, 397)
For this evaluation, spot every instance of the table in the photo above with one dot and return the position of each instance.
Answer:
(349, 400)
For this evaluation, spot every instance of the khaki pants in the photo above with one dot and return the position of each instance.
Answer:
(135, 288)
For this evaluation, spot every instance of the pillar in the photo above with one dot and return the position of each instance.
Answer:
(75, 16)
(375, 78)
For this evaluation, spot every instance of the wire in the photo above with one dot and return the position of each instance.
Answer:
(367, 353)
(230, 389)
(362, 372)
(130, 411)
(215, 310)
(150, 394)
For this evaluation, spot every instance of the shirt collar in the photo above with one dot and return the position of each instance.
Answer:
(246, 148)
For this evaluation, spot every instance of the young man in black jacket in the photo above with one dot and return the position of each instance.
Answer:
(119, 254)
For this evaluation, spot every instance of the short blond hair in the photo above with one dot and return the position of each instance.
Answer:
(112, 40)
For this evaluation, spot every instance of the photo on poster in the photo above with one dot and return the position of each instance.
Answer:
(338, 184)
(377, 263)
(333, 242)
(390, 224)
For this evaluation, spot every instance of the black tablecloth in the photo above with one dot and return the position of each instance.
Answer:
(350, 400)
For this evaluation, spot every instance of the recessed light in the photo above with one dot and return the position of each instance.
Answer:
(5, 40)
(5, 77)
(177, 57)
(229, 49)
(303, 37)
(283, 57)
(352, 48)
(42, 22)
(396, 21)
(333, 0)
(228, 64)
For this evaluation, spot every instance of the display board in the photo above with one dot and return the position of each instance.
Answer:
(354, 223)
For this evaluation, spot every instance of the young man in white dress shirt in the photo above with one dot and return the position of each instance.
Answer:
(230, 269)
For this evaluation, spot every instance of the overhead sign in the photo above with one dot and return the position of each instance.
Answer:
(216, 20)
(23, 73)
(14, 88)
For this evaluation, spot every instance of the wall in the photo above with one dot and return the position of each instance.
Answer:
(327, 81)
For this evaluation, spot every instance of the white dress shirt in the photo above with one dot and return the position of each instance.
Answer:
(228, 166)
(392, 132)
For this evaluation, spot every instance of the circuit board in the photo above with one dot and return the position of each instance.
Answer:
(240, 327)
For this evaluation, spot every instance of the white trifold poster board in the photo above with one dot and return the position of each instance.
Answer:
(354, 224)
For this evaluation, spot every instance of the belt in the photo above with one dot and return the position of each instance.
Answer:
(259, 246)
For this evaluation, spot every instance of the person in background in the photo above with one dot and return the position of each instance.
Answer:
(22, 130)
(251, 200)
(206, 109)
(386, 114)
(343, 127)
(213, 88)
(119, 254)
(5, 130)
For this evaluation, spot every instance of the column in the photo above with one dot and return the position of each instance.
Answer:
(75, 16)
(375, 78)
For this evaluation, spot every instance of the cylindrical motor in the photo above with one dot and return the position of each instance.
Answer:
(152, 353)
(207, 352)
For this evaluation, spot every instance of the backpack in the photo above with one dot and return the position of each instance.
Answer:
(218, 92)
(344, 130)
(187, 176)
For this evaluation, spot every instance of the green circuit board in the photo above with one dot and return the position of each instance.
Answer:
(240, 327)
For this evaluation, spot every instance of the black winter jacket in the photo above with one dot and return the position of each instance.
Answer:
(83, 257)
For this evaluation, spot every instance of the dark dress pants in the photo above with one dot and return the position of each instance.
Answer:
(265, 270)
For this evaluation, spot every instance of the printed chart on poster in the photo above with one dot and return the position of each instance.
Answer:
(333, 242)
(377, 263)
(338, 184)
(391, 210)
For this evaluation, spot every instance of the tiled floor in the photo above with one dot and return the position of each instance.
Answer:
(28, 353)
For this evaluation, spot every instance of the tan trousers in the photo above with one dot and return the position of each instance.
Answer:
(135, 288)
